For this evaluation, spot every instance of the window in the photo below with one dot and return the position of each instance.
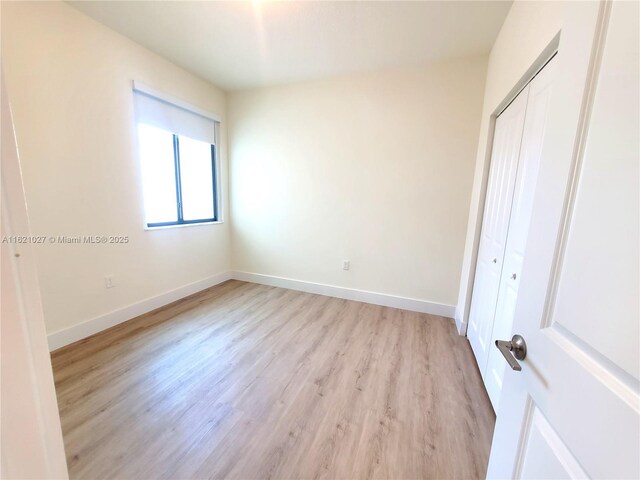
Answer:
(178, 160)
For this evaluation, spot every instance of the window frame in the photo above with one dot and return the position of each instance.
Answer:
(177, 178)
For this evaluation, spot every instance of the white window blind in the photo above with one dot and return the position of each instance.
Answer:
(173, 116)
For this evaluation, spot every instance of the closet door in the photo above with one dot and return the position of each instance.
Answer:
(534, 127)
(495, 224)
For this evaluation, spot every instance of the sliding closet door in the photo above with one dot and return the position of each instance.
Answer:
(495, 225)
(534, 127)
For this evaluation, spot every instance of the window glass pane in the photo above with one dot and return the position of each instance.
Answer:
(158, 174)
(196, 179)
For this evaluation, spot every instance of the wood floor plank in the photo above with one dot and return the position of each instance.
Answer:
(248, 381)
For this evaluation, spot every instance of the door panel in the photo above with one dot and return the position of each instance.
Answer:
(546, 456)
(604, 234)
(502, 176)
(527, 175)
(577, 304)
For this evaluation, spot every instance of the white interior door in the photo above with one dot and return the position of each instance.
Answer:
(574, 409)
(538, 101)
(31, 444)
(495, 224)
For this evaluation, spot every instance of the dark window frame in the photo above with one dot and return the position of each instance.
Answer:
(178, 180)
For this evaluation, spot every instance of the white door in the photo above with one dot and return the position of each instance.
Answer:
(495, 224)
(538, 102)
(574, 409)
(31, 444)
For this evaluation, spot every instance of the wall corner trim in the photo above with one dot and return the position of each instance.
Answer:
(97, 324)
(404, 303)
(461, 325)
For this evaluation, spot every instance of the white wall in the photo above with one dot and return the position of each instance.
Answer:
(528, 29)
(69, 83)
(374, 168)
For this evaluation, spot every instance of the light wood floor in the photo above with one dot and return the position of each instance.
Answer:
(247, 381)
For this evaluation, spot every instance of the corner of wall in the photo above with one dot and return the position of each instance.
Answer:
(461, 324)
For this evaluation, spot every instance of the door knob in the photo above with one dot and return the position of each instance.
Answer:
(517, 348)
(513, 276)
(495, 260)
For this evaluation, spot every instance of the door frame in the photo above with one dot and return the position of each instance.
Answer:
(538, 64)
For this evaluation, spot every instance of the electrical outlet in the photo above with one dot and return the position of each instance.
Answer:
(346, 264)
(108, 281)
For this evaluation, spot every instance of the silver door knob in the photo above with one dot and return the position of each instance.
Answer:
(517, 348)
(513, 276)
(495, 260)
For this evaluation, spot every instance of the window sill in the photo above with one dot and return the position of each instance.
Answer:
(218, 222)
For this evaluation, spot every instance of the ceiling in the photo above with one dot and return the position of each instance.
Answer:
(240, 45)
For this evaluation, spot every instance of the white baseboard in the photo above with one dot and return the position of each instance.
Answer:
(383, 299)
(461, 325)
(89, 327)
